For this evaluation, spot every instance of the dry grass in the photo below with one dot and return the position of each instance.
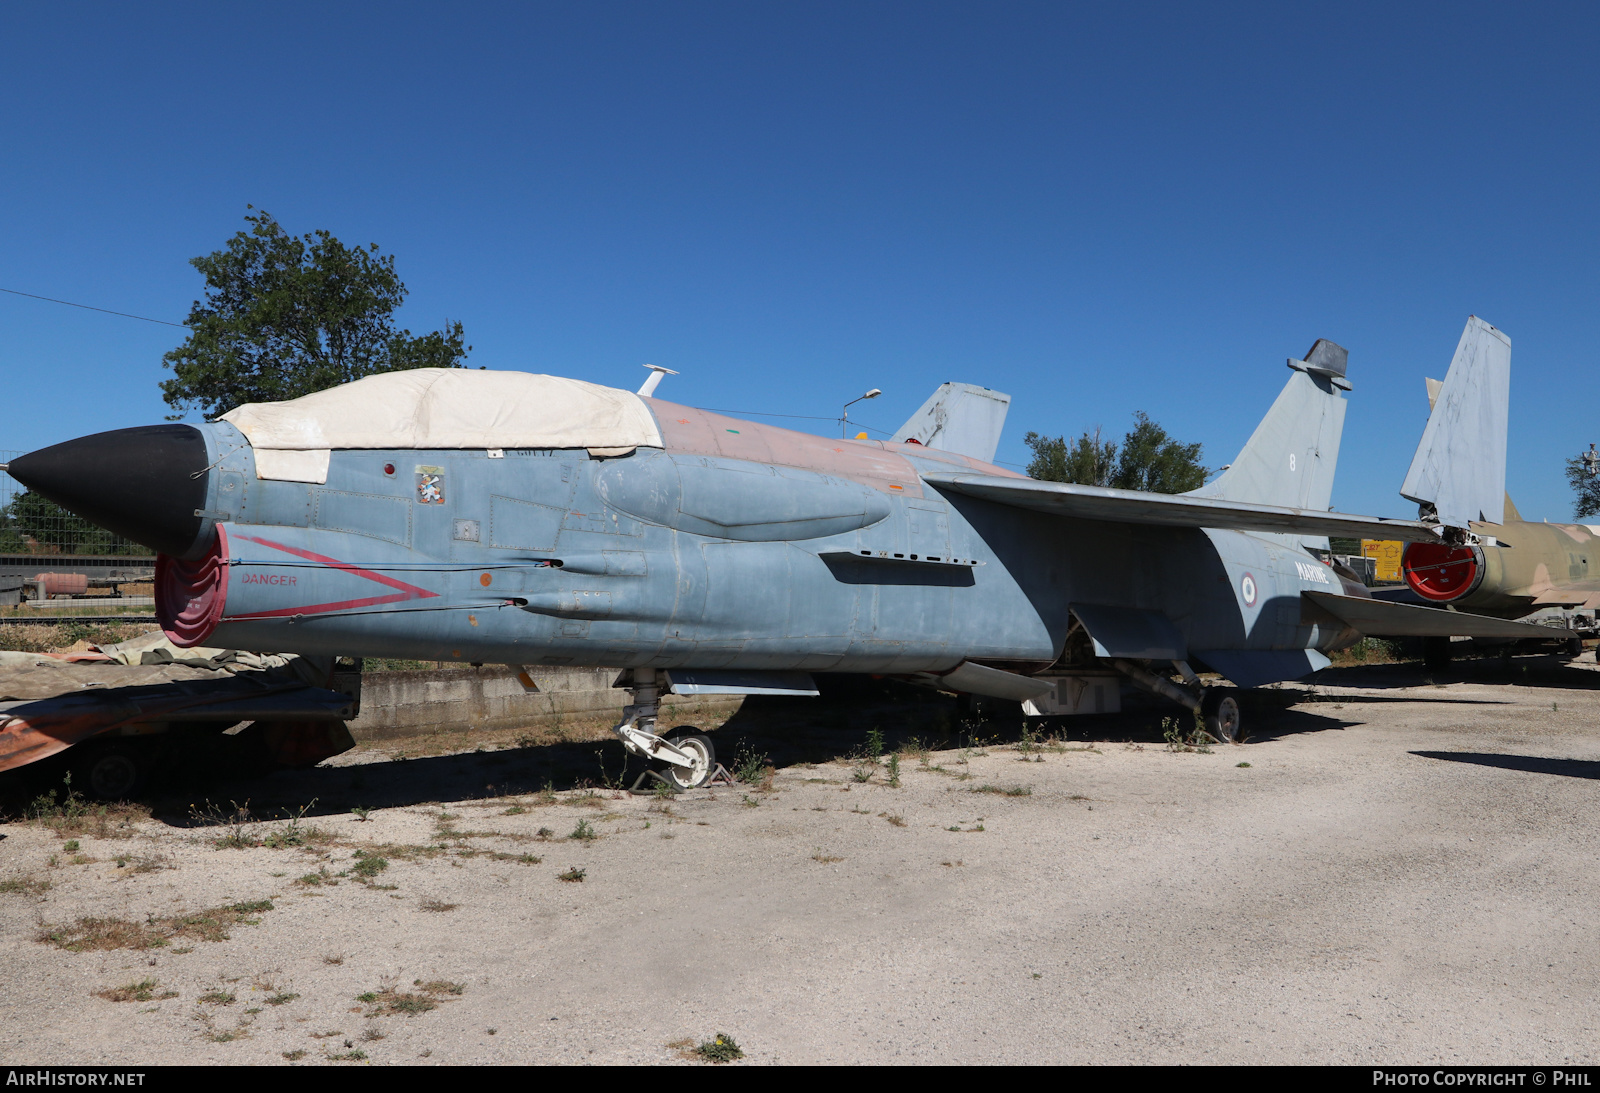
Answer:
(63, 636)
(24, 886)
(91, 934)
(142, 991)
(437, 906)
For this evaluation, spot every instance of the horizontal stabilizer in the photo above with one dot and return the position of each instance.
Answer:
(1173, 510)
(960, 418)
(1404, 620)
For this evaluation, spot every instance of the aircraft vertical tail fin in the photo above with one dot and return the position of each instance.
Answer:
(961, 418)
(1459, 470)
(1291, 457)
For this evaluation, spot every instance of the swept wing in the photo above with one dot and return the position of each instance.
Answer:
(1173, 510)
(1404, 620)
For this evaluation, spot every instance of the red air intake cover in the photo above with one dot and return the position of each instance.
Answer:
(1440, 572)
(190, 596)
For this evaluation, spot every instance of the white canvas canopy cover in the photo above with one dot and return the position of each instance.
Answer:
(441, 408)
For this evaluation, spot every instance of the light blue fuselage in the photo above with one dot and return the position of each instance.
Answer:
(670, 559)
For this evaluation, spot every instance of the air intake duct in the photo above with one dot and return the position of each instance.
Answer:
(1441, 572)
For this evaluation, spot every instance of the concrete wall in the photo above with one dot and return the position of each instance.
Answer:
(399, 704)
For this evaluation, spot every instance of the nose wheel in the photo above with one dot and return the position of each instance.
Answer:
(688, 759)
(702, 756)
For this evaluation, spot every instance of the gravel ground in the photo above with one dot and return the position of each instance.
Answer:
(1390, 871)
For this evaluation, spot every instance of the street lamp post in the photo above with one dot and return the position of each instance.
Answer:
(844, 418)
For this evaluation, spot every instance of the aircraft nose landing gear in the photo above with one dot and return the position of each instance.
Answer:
(689, 759)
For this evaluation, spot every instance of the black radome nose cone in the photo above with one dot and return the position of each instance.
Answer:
(143, 484)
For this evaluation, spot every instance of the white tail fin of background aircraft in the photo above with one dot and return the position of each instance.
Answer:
(1291, 457)
(960, 418)
(1460, 466)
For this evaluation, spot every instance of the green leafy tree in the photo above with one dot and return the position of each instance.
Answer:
(1147, 459)
(1585, 485)
(1089, 461)
(288, 315)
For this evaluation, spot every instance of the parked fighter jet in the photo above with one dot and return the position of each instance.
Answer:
(1497, 564)
(533, 520)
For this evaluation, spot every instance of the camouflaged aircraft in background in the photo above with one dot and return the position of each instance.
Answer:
(1495, 563)
(532, 520)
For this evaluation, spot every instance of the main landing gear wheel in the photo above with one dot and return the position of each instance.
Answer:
(698, 748)
(1219, 710)
(112, 773)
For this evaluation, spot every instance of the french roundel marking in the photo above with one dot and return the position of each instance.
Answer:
(1247, 589)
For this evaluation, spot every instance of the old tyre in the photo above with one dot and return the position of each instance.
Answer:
(699, 749)
(112, 773)
(1219, 710)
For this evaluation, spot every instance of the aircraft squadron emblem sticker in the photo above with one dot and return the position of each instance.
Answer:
(430, 485)
(1247, 589)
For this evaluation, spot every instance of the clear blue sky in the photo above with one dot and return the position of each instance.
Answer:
(1097, 208)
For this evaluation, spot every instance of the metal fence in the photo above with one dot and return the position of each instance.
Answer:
(34, 525)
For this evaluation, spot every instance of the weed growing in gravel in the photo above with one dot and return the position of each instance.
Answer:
(825, 858)
(142, 991)
(894, 771)
(721, 1049)
(361, 814)
(437, 905)
(863, 772)
(752, 768)
(24, 886)
(217, 998)
(368, 865)
(1241, 764)
(584, 831)
(1012, 791)
(241, 833)
(282, 998)
(296, 1055)
(874, 743)
(72, 814)
(895, 818)
(1180, 740)
(296, 832)
(749, 801)
(387, 1000)
(514, 810)
(573, 875)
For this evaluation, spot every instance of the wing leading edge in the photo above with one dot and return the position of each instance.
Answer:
(1173, 510)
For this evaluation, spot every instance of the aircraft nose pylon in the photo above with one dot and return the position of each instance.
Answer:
(144, 484)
